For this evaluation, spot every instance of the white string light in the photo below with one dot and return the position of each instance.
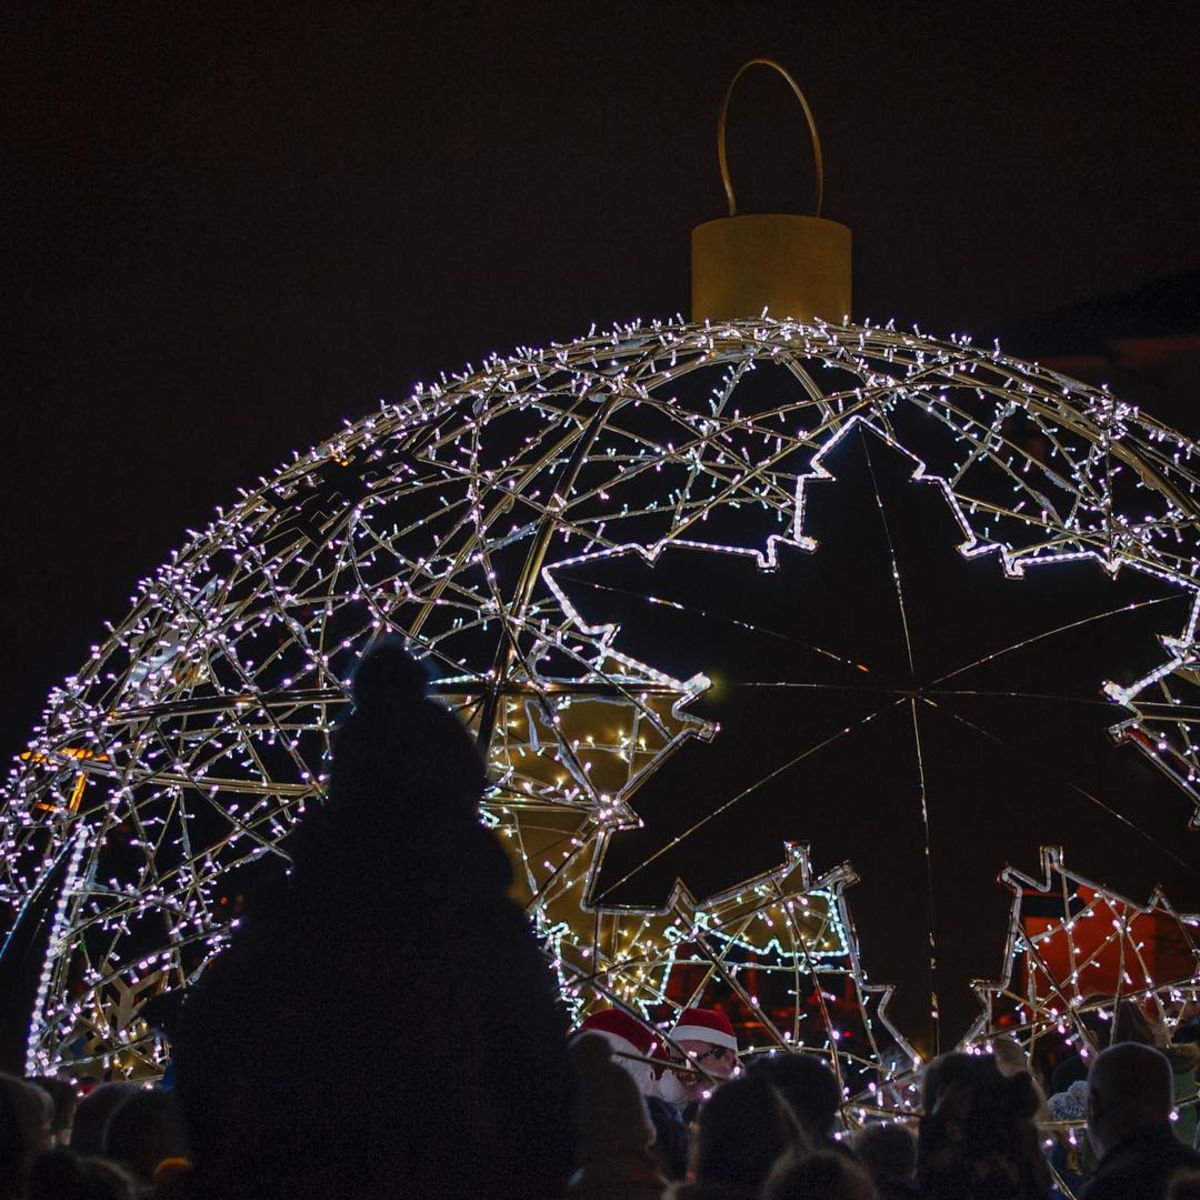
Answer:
(195, 736)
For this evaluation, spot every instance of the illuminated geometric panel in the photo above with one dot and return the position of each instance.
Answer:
(1075, 949)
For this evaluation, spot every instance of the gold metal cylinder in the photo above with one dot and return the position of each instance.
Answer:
(793, 266)
(790, 265)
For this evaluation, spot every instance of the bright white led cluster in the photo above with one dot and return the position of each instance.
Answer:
(194, 737)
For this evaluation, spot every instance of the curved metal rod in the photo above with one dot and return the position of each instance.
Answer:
(722, 159)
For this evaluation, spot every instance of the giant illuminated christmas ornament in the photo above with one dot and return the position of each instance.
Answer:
(668, 576)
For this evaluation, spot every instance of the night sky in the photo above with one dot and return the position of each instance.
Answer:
(227, 231)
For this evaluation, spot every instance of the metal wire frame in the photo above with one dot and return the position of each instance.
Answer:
(194, 738)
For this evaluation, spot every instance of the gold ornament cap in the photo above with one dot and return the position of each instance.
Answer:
(792, 265)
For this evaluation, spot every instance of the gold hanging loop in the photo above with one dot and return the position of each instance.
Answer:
(784, 264)
(722, 158)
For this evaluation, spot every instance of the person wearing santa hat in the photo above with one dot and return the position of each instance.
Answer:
(705, 1036)
(631, 1043)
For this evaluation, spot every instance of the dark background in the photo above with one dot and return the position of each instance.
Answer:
(226, 230)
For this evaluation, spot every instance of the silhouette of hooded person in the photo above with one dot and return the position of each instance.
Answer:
(384, 1020)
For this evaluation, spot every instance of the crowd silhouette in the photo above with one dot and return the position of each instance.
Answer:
(463, 1079)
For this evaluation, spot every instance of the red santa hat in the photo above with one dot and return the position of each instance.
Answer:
(625, 1034)
(705, 1025)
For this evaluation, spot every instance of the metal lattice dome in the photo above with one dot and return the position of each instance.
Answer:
(574, 538)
